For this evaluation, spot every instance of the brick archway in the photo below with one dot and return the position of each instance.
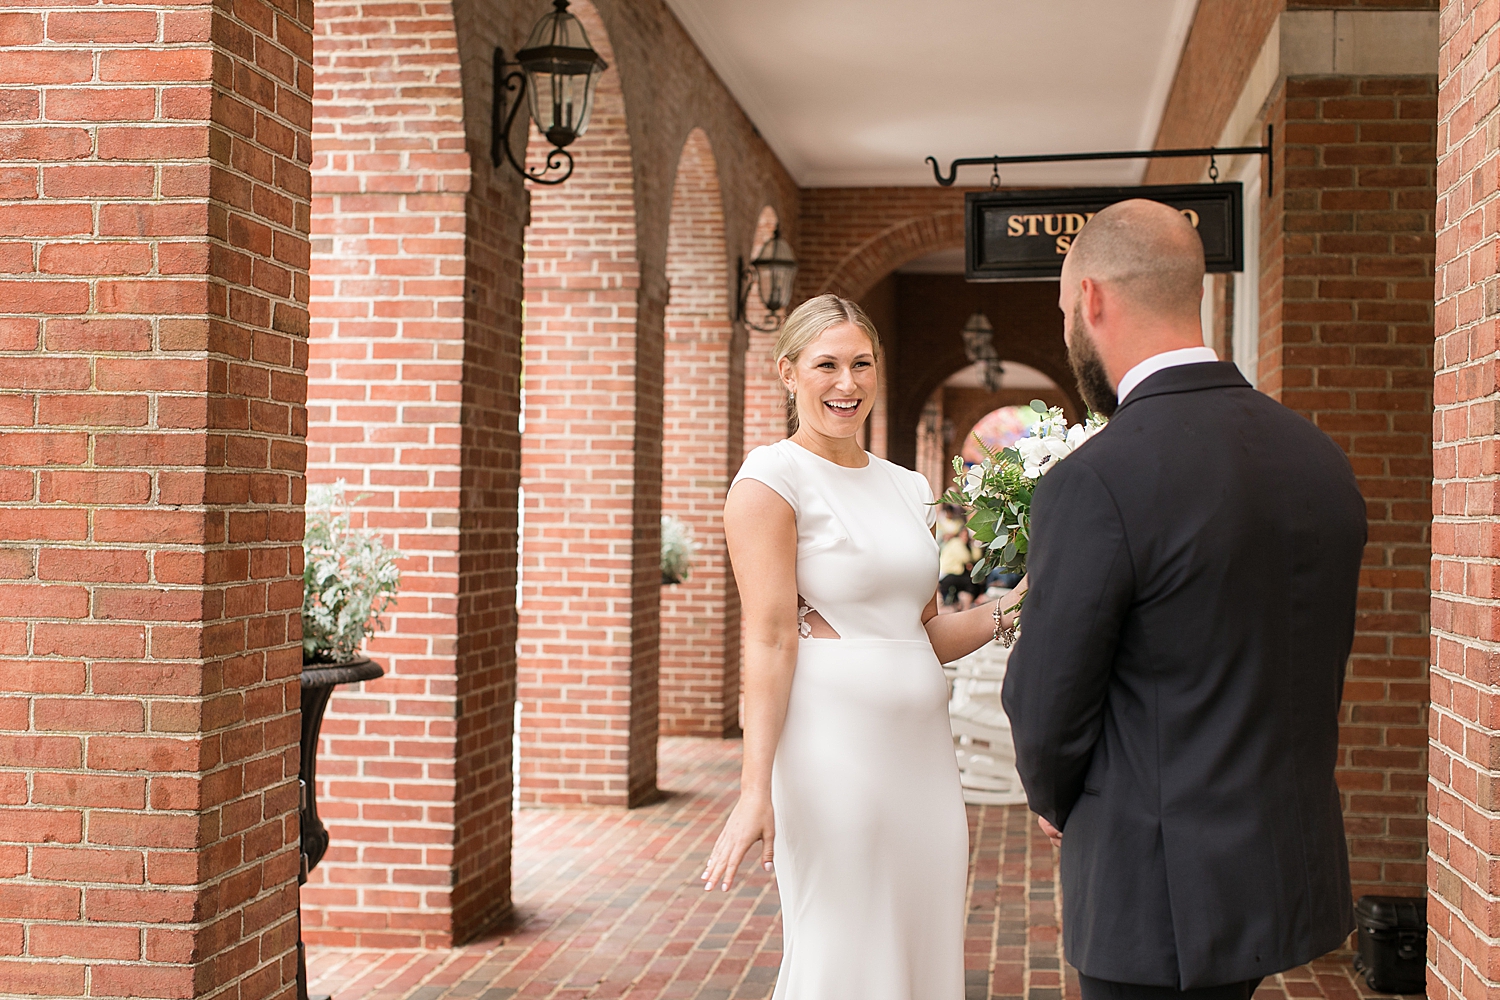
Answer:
(966, 407)
(878, 256)
(702, 432)
(853, 237)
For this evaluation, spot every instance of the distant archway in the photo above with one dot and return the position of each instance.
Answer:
(702, 430)
(994, 432)
(927, 313)
(858, 271)
(955, 406)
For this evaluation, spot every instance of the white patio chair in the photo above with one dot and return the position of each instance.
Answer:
(981, 731)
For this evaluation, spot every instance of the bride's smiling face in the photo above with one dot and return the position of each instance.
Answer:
(834, 379)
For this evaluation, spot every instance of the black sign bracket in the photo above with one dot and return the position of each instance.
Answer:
(1130, 154)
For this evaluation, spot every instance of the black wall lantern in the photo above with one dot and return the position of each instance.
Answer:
(979, 346)
(772, 272)
(559, 72)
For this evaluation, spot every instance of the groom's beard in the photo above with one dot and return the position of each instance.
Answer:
(1088, 370)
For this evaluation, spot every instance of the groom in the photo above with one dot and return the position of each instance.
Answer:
(1174, 695)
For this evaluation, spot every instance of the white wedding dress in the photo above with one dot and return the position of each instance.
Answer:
(872, 843)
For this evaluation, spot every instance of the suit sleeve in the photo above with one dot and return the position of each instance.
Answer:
(1081, 586)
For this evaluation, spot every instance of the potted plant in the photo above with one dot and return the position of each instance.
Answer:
(349, 577)
(677, 550)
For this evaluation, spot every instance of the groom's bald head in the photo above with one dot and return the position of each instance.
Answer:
(1147, 251)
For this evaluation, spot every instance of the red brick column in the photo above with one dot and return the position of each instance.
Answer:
(1463, 899)
(413, 402)
(702, 431)
(385, 378)
(588, 646)
(152, 316)
(1346, 340)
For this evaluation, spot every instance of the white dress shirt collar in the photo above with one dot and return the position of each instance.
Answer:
(1161, 362)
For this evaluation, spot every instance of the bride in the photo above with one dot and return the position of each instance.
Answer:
(849, 779)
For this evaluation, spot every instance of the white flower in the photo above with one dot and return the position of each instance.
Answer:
(973, 481)
(1035, 455)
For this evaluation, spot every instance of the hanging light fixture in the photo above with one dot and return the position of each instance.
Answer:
(771, 272)
(979, 347)
(558, 76)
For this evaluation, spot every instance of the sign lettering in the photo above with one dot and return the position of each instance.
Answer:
(1024, 235)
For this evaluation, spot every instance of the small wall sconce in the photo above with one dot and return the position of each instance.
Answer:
(771, 272)
(979, 346)
(558, 75)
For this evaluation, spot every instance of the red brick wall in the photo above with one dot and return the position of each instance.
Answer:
(385, 378)
(702, 431)
(1347, 342)
(1462, 855)
(490, 453)
(154, 303)
(853, 237)
(1221, 47)
(578, 471)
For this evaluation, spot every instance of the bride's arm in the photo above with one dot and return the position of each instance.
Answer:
(761, 533)
(959, 634)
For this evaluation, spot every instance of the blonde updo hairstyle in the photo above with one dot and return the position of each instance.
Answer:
(807, 323)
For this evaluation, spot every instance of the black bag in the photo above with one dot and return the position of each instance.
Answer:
(1392, 943)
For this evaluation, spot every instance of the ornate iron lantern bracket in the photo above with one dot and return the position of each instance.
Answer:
(515, 83)
(558, 74)
(771, 273)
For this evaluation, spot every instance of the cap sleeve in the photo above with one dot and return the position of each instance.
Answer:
(924, 488)
(767, 465)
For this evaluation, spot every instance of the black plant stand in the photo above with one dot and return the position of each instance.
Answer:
(318, 682)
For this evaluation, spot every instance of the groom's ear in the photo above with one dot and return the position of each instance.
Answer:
(1091, 297)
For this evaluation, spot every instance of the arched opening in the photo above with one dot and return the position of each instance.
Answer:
(920, 309)
(702, 431)
(765, 403)
(965, 400)
(386, 344)
(996, 431)
(589, 593)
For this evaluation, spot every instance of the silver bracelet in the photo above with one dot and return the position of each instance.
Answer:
(1004, 635)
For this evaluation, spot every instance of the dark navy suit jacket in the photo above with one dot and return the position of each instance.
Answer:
(1174, 695)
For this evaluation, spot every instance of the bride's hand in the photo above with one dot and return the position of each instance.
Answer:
(751, 820)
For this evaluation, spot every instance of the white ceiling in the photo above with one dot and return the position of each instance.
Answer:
(858, 92)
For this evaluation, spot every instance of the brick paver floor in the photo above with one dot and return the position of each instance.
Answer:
(609, 906)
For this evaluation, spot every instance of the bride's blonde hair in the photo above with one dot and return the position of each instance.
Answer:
(807, 323)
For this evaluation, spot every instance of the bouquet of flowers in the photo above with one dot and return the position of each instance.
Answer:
(998, 489)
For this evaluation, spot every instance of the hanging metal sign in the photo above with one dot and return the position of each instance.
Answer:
(1020, 235)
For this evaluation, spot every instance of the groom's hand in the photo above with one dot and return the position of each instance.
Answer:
(1052, 832)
